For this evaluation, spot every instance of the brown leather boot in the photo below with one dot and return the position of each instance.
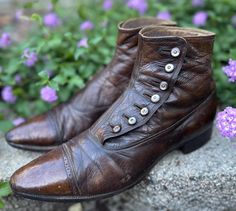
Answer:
(169, 104)
(67, 120)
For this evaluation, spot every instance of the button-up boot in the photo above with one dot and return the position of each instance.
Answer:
(169, 105)
(46, 131)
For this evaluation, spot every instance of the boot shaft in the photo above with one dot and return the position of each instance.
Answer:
(172, 76)
(184, 54)
(127, 43)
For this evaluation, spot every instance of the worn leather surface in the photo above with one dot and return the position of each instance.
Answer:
(69, 119)
(100, 162)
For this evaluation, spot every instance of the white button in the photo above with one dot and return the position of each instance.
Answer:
(175, 52)
(163, 85)
(144, 111)
(169, 68)
(132, 120)
(116, 129)
(155, 98)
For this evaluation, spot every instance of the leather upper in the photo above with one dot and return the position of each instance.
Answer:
(69, 119)
(103, 160)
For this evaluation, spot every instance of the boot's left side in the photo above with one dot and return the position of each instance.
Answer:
(58, 125)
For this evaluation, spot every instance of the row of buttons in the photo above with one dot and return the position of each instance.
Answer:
(175, 52)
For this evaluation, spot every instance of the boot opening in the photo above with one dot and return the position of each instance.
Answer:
(138, 23)
(175, 31)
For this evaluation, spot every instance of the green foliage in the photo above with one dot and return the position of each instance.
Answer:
(5, 190)
(71, 67)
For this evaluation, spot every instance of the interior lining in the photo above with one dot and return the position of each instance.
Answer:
(141, 22)
(175, 31)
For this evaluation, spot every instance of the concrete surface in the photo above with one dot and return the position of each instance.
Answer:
(203, 180)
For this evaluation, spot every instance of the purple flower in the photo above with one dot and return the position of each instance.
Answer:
(83, 43)
(18, 121)
(5, 40)
(164, 15)
(18, 78)
(140, 5)
(18, 14)
(200, 18)
(8, 95)
(226, 122)
(51, 20)
(233, 20)
(30, 58)
(50, 6)
(197, 3)
(48, 94)
(230, 70)
(107, 5)
(86, 25)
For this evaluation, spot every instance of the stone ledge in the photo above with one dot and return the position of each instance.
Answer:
(202, 180)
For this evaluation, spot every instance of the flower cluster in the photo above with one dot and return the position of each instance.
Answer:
(83, 43)
(8, 95)
(86, 25)
(140, 5)
(200, 18)
(30, 58)
(107, 5)
(226, 122)
(5, 40)
(165, 15)
(48, 94)
(18, 121)
(51, 20)
(230, 70)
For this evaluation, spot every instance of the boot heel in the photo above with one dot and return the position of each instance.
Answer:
(196, 142)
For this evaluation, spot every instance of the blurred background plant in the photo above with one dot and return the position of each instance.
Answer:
(5, 190)
(63, 46)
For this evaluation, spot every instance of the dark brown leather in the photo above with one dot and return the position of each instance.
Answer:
(100, 162)
(67, 120)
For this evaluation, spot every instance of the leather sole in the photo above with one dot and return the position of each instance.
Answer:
(186, 146)
(33, 148)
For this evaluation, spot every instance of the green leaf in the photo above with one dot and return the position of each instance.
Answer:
(5, 189)
(43, 74)
(54, 85)
(78, 53)
(77, 81)
(36, 17)
(5, 125)
(29, 5)
(82, 11)
(68, 35)
(1, 204)
(59, 79)
(55, 42)
(54, 2)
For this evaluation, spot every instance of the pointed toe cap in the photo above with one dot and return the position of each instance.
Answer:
(42, 178)
(38, 131)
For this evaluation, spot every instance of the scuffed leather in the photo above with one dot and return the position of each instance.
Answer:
(100, 163)
(69, 119)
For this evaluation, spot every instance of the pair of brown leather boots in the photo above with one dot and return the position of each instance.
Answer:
(156, 95)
